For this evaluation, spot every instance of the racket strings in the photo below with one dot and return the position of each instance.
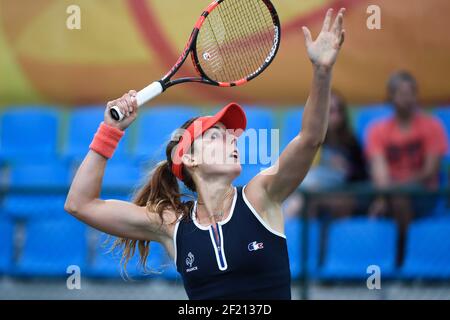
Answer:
(244, 30)
(240, 51)
(235, 40)
(229, 52)
(260, 37)
(212, 49)
(249, 29)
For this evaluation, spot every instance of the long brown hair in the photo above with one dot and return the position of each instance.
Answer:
(160, 192)
(344, 134)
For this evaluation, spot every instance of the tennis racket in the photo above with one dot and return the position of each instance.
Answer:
(232, 42)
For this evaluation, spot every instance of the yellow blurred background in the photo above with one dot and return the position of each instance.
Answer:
(125, 44)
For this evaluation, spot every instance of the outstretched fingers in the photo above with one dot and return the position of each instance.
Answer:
(327, 20)
(338, 23)
(308, 38)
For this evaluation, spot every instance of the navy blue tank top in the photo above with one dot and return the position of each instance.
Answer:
(249, 260)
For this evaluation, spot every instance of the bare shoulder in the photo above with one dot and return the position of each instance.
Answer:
(266, 208)
(254, 193)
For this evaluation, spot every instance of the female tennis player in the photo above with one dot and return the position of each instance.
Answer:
(229, 243)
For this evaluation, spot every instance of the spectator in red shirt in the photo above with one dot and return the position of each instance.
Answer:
(405, 150)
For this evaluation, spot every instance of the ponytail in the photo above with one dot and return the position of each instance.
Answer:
(161, 192)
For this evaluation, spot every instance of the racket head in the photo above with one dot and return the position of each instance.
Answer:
(236, 41)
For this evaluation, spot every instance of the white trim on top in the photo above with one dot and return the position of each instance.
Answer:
(194, 218)
(211, 234)
(230, 214)
(256, 214)
(175, 230)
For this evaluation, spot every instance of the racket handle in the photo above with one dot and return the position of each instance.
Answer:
(149, 92)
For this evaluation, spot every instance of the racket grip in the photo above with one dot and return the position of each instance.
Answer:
(149, 92)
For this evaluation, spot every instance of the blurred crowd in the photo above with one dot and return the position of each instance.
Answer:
(400, 151)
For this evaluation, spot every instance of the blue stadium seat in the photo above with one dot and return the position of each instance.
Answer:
(6, 239)
(106, 263)
(53, 175)
(444, 172)
(51, 246)
(121, 179)
(154, 129)
(29, 133)
(34, 205)
(258, 119)
(124, 175)
(427, 250)
(366, 116)
(247, 173)
(83, 124)
(355, 244)
(294, 232)
(444, 115)
(292, 124)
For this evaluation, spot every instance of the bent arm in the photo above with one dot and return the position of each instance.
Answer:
(429, 170)
(379, 171)
(381, 178)
(118, 218)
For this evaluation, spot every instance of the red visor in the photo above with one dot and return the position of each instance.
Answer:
(232, 116)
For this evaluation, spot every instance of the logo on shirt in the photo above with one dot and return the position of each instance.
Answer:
(253, 246)
(189, 262)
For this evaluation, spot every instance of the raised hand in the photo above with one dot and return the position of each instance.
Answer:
(128, 107)
(324, 50)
